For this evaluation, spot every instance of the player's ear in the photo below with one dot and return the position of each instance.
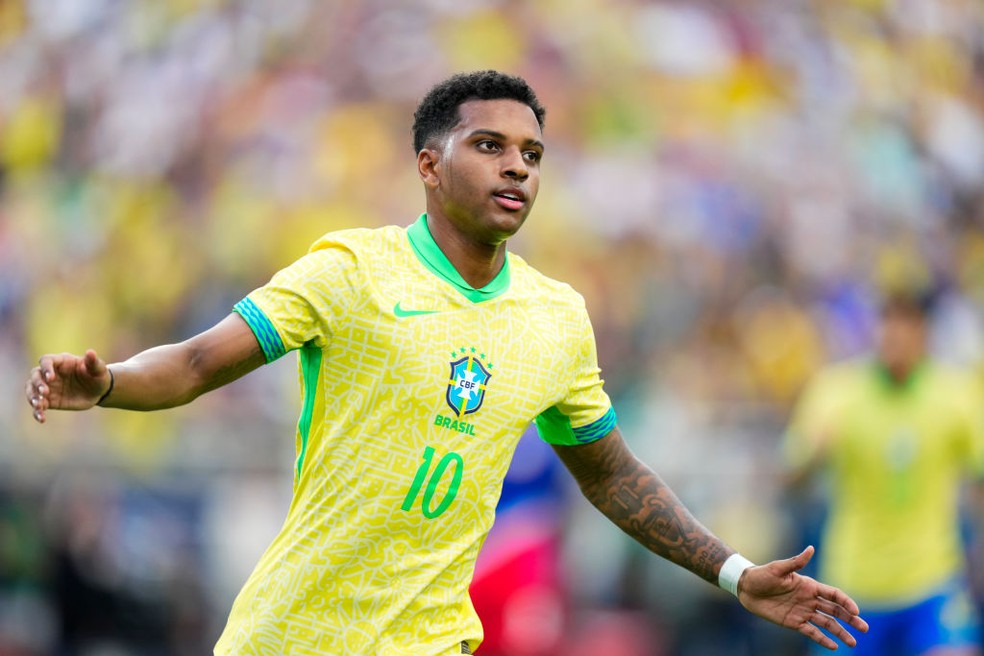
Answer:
(429, 167)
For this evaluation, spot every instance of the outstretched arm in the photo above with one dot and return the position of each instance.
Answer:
(161, 377)
(634, 497)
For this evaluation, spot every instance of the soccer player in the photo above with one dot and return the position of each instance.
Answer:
(424, 352)
(898, 435)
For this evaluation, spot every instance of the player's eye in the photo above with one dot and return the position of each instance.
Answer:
(487, 145)
(533, 156)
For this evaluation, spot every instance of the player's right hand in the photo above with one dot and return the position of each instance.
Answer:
(66, 382)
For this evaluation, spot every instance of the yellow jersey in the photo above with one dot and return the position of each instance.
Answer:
(415, 390)
(896, 455)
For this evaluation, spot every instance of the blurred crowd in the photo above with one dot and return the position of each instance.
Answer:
(730, 184)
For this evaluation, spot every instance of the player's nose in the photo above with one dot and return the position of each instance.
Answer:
(514, 165)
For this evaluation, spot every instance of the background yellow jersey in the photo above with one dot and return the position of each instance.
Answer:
(416, 389)
(897, 456)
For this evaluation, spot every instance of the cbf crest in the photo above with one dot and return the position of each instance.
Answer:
(470, 374)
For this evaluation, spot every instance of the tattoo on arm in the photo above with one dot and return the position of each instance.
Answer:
(634, 497)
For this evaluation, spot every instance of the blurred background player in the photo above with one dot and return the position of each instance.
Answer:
(899, 434)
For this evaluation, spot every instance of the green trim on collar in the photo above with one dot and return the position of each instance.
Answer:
(915, 376)
(432, 257)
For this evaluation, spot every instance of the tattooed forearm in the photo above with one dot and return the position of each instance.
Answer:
(635, 498)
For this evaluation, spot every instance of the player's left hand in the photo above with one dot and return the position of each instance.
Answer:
(776, 592)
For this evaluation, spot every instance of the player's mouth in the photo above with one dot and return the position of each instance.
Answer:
(511, 198)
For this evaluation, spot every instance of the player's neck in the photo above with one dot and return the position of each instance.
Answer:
(901, 374)
(477, 263)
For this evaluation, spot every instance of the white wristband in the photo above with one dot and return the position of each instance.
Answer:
(731, 571)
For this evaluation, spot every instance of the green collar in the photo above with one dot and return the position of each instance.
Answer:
(917, 373)
(432, 257)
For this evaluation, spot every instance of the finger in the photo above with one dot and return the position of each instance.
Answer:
(93, 365)
(38, 387)
(841, 613)
(46, 365)
(29, 393)
(59, 365)
(817, 636)
(33, 398)
(796, 563)
(833, 626)
(837, 596)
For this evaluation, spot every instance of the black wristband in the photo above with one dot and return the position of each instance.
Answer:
(112, 381)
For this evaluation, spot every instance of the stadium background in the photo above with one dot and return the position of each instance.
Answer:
(729, 184)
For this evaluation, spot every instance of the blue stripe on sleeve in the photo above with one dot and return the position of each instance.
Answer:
(596, 429)
(262, 327)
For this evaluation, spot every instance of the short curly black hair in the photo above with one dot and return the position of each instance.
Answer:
(438, 112)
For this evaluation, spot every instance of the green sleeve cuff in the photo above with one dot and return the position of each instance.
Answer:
(554, 427)
(263, 328)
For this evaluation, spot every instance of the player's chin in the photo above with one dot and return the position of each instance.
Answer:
(507, 222)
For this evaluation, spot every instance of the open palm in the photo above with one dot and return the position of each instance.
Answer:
(778, 593)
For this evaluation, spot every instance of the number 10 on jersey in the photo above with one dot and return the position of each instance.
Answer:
(426, 504)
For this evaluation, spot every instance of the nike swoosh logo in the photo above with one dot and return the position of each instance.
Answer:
(400, 312)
